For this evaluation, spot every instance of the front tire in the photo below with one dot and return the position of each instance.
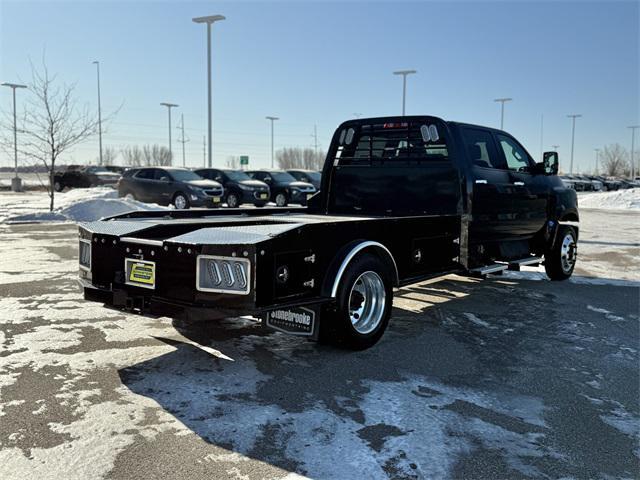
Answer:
(281, 199)
(181, 202)
(232, 200)
(560, 260)
(363, 305)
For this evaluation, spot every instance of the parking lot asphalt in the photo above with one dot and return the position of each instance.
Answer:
(509, 377)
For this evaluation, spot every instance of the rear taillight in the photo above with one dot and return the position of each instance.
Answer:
(84, 257)
(223, 274)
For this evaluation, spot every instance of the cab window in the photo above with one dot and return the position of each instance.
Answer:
(481, 148)
(391, 143)
(516, 157)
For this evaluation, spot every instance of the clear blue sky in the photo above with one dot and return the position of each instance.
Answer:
(321, 62)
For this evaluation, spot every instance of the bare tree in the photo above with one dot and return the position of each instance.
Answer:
(132, 155)
(614, 160)
(52, 122)
(233, 161)
(109, 154)
(156, 155)
(146, 156)
(297, 157)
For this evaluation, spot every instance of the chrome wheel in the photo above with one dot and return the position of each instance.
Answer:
(568, 253)
(180, 202)
(129, 196)
(367, 302)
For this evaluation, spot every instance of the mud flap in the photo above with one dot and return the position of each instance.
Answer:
(299, 321)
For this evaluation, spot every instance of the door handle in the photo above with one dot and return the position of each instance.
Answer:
(519, 184)
(482, 182)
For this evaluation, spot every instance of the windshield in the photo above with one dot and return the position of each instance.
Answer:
(237, 176)
(184, 175)
(282, 177)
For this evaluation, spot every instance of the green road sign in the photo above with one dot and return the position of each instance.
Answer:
(244, 159)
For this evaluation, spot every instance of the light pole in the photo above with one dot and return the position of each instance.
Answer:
(597, 158)
(633, 138)
(502, 102)
(272, 120)
(209, 20)
(573, 117)
(404, 74)
(97, 64)
(16, 183)
(169, 107)
(183, 141)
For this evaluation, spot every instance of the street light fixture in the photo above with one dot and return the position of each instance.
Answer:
(272, 120)
(502, 102)
(633, 138)
(573, 117)
(16, 183)
(404, 74)
(209, 20)
(169, 107)
(97, 64)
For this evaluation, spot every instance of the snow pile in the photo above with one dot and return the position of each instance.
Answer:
(78, 205)
(618, 200)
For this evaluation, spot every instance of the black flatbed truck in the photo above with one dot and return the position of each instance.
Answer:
(403, 199)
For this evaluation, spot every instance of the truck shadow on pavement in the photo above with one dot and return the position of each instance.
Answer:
(505, 378)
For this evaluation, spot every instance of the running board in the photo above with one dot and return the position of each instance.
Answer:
(487, 269)
(500, 267)
(531, 261)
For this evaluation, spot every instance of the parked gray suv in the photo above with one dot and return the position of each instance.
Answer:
(170, 186)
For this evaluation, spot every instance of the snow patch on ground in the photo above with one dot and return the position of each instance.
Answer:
(78, 205)
(473, 319)
(619, 200)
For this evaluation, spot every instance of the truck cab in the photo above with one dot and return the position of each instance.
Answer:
(403, 199)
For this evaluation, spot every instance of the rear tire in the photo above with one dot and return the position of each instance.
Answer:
(58, 186)
(181, 202)
(363, 305)
(560, 260)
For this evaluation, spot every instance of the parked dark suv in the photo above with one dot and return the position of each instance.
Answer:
(284, 187)
(309, 176)
(239, 187)
(82, 176)
(177, 186)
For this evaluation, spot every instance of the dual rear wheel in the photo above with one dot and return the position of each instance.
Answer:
(363, 305)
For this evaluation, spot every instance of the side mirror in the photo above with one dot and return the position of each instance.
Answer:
(550, 163)
(164, 179)
(267, 179)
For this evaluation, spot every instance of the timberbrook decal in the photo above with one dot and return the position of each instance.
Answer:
(292, 321)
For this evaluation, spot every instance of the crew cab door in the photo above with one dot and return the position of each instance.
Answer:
(493, 210)
(530, 193)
